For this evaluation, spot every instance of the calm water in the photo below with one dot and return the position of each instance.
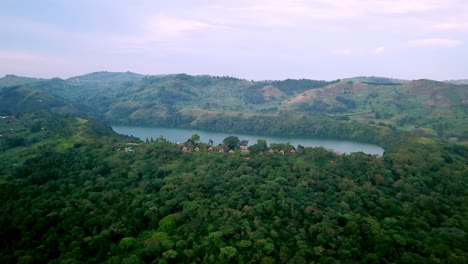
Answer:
(182, 135)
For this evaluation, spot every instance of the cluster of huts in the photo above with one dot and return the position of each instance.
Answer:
(242, 149)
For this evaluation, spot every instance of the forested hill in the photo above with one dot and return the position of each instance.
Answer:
(426, 108)
(12, 80)
(17, 99)
(72, 191)
(107, 77)
(464, 81)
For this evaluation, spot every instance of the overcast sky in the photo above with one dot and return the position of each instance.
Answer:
(251, 39)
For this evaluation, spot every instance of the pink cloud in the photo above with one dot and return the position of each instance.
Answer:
(434, 42)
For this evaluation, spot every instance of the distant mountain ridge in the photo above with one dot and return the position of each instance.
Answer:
(463, 81)
(376, 80)
(12, 80)
(438, 109)
(104, 76)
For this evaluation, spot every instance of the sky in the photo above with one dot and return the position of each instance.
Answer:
(249, 39)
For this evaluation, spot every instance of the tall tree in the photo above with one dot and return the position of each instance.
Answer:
(232, 142)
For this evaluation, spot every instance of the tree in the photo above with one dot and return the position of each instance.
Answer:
(195, 138)
(128, 244)
(260, 146)
(244, 142)
(228, 252)
(232, 142)
(168, 223)
(170, 254)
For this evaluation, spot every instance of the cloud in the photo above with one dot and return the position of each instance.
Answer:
(379, 50)
(434, 42)
(171, 26)
(332, 9)
(247, 18)
(462, 26)
(402, 6)
(160, 34)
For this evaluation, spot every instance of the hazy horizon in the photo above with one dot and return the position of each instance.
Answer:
(255, 80)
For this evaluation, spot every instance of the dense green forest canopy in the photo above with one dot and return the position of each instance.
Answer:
(73, 191)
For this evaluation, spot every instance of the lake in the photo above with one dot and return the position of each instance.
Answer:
(182, 135)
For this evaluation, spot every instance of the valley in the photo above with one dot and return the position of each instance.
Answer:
(429, 108)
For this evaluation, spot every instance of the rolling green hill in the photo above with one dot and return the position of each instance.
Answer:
(106, 77)
(20, 99)
(376, 80)
(464, 81)
(13, 80)
(424, 107)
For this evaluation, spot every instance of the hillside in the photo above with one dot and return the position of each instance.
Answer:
(464, 81)
(106, 77)
(376, 80)
(17, 99)
(13, 80)
(424, 107)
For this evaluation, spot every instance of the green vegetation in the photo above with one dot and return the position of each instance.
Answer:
(21, 99)
(426, 108)
(73, 194)
(465, 81)
(73, 191)
(107, 78)
(13, 80)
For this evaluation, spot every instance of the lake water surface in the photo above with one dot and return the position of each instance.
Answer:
(182, 135)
